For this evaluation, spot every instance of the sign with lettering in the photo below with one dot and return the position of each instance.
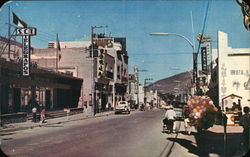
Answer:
(26, 55)
(104, 42)
(204, 58)
(195, 75)
(26, 33)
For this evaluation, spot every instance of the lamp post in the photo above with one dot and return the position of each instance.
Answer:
(94, 107)
(190, 43)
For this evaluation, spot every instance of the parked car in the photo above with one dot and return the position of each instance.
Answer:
(122, 106)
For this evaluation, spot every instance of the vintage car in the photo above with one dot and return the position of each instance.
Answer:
(122, 106)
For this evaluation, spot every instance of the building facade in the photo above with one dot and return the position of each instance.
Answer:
(105, 74)
(231, 74)
(50, 89)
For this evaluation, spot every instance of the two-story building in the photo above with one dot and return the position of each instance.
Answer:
(53, 90)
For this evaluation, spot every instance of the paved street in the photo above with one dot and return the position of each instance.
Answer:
(135, 135)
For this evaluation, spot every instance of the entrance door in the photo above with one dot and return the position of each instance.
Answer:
(47, 99)
(104, 101)
(17, 99)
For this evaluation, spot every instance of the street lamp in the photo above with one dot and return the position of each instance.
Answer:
(176, 34)
(190, 43)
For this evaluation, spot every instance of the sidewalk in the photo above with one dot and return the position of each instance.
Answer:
(209, 143)
(29, 124)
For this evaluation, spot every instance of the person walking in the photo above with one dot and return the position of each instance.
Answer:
(187, 126)
(42, 114)
(34, 110)
(170, 115)
(245, 122)
(187, 121)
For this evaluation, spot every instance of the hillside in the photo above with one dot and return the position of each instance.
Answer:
(169, 84)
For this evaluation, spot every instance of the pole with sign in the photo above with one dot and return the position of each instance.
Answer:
(26, 33)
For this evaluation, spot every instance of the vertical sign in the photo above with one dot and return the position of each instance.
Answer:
(26, 55)
(204, 59)
(26, 33)
(195, 75)
(209, 55)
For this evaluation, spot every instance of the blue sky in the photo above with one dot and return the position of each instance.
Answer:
(134, 20)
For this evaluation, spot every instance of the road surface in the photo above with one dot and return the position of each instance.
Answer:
(135, 135)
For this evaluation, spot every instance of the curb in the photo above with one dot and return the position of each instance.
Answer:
(47, 124)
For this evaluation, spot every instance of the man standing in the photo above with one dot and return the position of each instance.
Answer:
(170, 115)
(245, 122)
(34, 110)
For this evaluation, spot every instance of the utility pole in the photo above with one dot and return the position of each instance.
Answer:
(9, 36)
(57, 42)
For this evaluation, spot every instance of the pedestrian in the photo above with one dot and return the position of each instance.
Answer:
(170, 115)
(42, 114)
(34, 110)
(68, 111)
(245, 122)
(187, 122)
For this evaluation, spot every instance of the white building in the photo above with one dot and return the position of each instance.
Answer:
(233, 73)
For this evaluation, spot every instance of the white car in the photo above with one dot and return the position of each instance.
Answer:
(122, 106)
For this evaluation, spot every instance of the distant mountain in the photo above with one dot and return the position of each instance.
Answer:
(172, 84)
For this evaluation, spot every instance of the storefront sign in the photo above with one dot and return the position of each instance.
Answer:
(26, 55)
(104, 42)
(204, 59)
(26, 33)
(195, 75)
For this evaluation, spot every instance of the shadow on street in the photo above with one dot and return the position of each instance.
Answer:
(187, 144)
(213, 143)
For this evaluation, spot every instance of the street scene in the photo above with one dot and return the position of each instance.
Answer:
(125, 78)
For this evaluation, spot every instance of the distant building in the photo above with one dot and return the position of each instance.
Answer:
(152, 98)
(132, 89)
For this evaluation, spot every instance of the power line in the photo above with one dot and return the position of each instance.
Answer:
(204, 24)
(41, 39)
(52, 35)
(45, 38)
